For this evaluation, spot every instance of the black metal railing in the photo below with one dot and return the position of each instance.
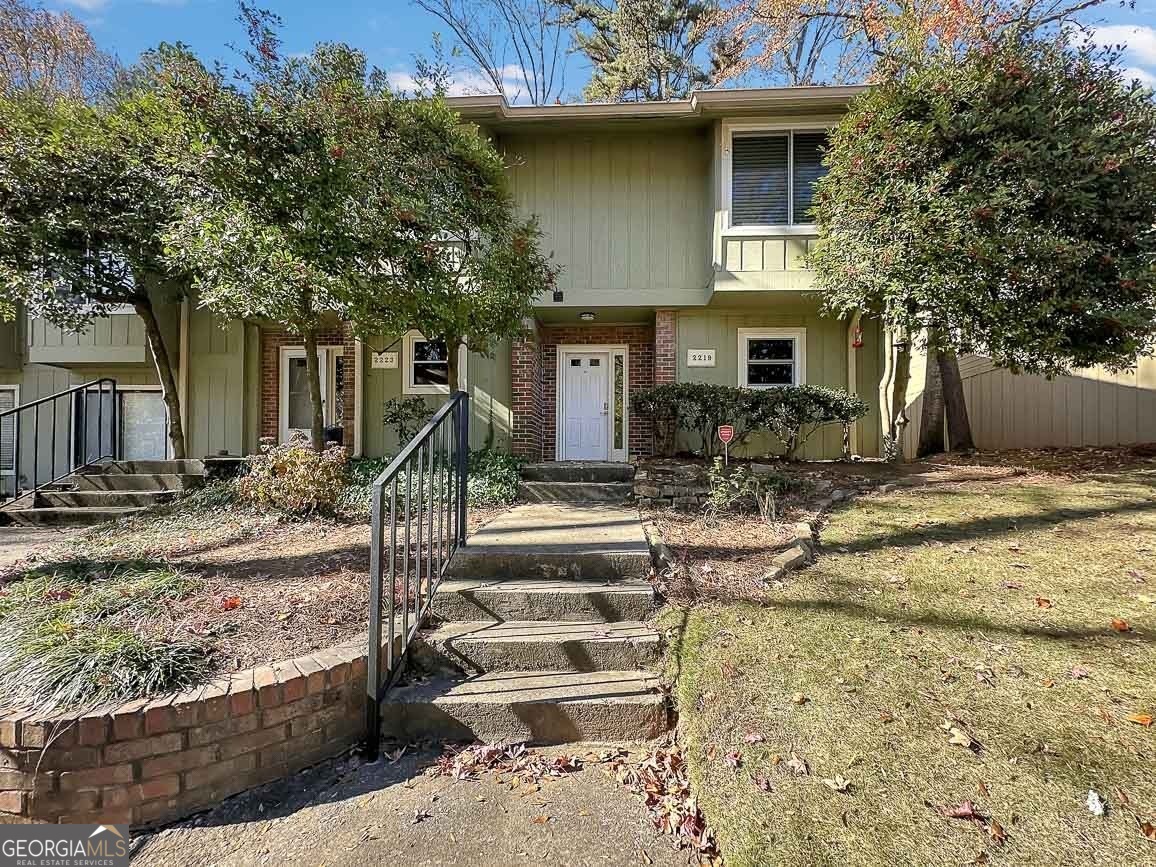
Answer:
(53, 437)
(418, 521)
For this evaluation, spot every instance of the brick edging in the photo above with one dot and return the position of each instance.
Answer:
(153, 761)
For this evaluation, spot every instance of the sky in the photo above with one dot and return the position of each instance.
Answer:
(390, 32)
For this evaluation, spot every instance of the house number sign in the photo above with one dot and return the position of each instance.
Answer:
(700, 358)
(386, 360)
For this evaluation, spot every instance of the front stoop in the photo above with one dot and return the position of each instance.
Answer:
(104, 492)
(577, 482)
(543, 635)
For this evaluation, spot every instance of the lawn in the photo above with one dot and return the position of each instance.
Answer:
(963, 665)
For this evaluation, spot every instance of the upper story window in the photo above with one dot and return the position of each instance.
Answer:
(772, 177)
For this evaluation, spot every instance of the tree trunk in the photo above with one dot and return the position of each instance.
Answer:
(313, 374)
(144, 309)
(452, 371)
(899, 420)
(958, 423)
(931, 419)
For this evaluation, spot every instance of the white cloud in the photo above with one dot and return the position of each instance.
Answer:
(1145, 77)
(1140, 41)
(88, 5)
(464, 82)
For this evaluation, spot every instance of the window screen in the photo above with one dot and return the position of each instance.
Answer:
(807, 168)
(770, 361)
(7, 430)
(430, 363)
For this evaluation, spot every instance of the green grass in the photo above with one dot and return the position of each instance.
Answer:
(75, 633)
(923, 608)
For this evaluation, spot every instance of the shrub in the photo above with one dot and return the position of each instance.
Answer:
(791, 412)
(295, 478)
(494, 478)
(406, 416)
(794, 413)
(738, 488)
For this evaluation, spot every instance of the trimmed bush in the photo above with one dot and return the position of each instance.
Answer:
(406, 416)
(494, 478)
(791, 412)
(295, 478)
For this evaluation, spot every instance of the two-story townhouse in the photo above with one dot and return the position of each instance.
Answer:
(680, 229)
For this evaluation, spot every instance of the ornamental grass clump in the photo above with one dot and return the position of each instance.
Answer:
(77, 633)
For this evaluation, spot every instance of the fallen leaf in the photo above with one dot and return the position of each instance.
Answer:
(1141, 719)
(228, 603)
(997, 833)
(734, 759)
(754, 738)
(419, 815)
(1120, 625)
(540, 820)
(886, 716)
(762, 784)
(797, 766)
(837, 784)
(966, 810)
(1042, 602)
(982, 787)
(1147, 829)
(1049, 683)
(1079, 672)
(799, 698)
(959, 737)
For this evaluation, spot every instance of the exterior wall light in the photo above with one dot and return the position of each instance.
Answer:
(586, 316)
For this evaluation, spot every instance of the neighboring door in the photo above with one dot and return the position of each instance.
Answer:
(296, 407)
(143, 426)
(585, 406)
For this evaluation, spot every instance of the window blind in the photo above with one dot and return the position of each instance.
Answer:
(759, 180)
(807, 168)
(7, 430)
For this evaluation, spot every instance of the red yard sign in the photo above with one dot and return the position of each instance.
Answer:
(726, 433)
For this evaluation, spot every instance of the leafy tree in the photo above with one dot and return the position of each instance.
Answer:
(643, 50)
(51, 54)
(318, 192)
(1003, 203)
(83, 201)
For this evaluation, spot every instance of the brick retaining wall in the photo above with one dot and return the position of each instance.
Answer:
(153, 761)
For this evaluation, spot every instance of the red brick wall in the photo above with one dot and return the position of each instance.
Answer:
(665, 347)
(526, 398)
(150, 762)
(639, 340)
(272, 341)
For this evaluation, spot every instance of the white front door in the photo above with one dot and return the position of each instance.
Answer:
(296, 406)
(585, 392)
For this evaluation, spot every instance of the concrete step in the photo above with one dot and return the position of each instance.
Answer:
(134, 481)
(102, 499)
(575, 492)
(540, 707)
(538, 645)
(578, 471)
(536, 599)
(182, 467)
(557, 541)
(67, 517)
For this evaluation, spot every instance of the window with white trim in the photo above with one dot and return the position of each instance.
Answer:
(770, 357)
(773, 175)
(425, 365)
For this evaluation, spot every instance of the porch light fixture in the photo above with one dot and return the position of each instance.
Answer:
(586, 316)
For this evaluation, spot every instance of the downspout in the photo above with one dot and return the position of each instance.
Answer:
(358, 397)
(853, 374)
(183, 370)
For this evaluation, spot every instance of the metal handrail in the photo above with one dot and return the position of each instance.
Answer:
(73, 463)
(439, 458)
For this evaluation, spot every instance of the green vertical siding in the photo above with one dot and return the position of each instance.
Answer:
(869, 370)
(489, 388)
(10, 345)
(620, 212)
(216, 398)
(827, 348)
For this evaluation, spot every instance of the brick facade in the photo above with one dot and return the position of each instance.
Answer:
(272, 341)
(150, 762)
(665, 346)
(535, 381)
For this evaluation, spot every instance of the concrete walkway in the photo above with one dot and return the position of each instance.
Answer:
(341, 814)
(16, 543)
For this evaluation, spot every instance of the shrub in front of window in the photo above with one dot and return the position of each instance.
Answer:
(738, 488)
(294, 478)
(406, 416)
(794, 413)
(791, 412)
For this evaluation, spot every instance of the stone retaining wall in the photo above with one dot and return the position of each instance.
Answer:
(672, 484)
(152, 761)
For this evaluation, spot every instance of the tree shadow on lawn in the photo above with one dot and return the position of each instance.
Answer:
(983, 528)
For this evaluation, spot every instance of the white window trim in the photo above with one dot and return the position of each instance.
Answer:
(15, 389)
(729, 130)
(408, 386)
(799, 335)
(564, 350)
(328, 357)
